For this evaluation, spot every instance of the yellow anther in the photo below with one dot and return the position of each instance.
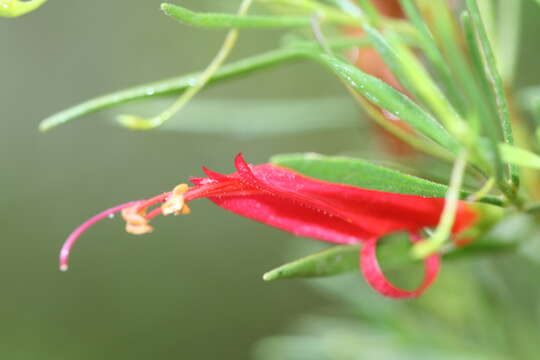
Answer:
(138, 229)
(132, 216)
(186, 210)
(136, 223)
(176, 204)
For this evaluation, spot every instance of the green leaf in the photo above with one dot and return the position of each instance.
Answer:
(433, 54)
(485, 116)
(392, 253)
(336, 260)
(169, 86)
(178, 84)
(370, 12)
(519, 157)
(495, 80)
(381, 94)
(227, 21)
(14, 8)
(360, 173)
(259, 117)
(415, 78)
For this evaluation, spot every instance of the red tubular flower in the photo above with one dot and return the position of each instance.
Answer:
(284, 199)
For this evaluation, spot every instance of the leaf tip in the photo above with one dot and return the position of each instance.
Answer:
(271, 275)
(165, 7)
(44, 126)
(134, 122)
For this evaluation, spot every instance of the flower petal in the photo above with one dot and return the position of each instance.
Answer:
(332, 212)
(377, 280)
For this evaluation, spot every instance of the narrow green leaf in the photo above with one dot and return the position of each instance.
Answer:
(390, 99)
(444, 30)
(169, 86)
(360, 173)
(296, 51)
(392, 255)
(494, 77)
(390, 57)
(433, 54)
(336, 260)
(370, 11)
(519, 157)
(446, 33)
(311, 7)
(415, 78)
(227, 21)
(485, 116)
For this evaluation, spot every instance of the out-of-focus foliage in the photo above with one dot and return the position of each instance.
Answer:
(475, 311)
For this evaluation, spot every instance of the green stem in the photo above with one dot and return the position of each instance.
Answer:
(433, 244)
(137, 123)
(483, 192)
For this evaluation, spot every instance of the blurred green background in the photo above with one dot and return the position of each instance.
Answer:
(193, 288)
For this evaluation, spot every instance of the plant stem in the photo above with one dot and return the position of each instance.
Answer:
(137, 123)
(425, 248)
(174, 85)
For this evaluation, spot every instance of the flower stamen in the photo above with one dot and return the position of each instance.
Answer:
(136, 222)
(176, 203)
